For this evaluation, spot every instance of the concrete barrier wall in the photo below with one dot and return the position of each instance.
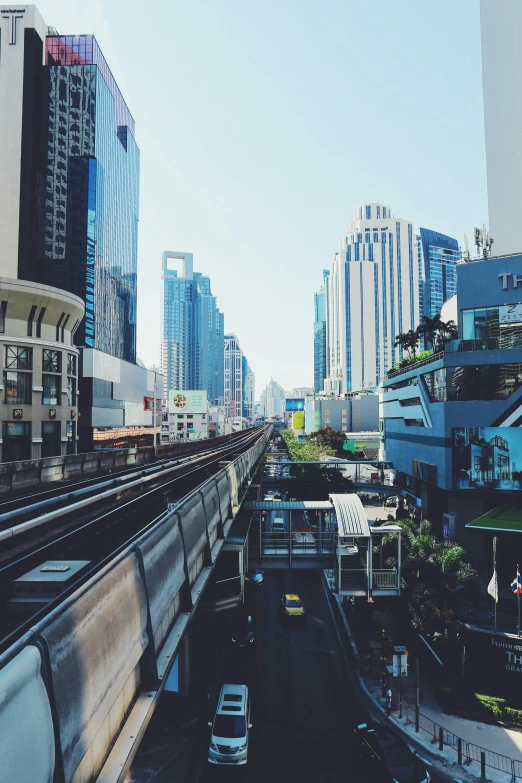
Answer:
(93, 646)
(163, 561)
(27, 757)
(96, 648)
(17, 475)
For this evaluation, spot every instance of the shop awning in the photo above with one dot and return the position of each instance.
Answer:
(499, 519)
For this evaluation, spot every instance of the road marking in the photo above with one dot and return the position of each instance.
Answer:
(430, 764)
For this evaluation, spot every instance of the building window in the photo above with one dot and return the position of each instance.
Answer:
(18, 358)
(3, 310)
(378, 213)
(344, 428)
(51, 390)
(190, 416)
(71, 388)
(17, 388)
(368, 213)
(51, 439)
(344, 412)
(414, 422)
(16, 436)
(482, 382)
(180, 427)
(71, 364)
(344, 420)
(52, 361)
(70, 431)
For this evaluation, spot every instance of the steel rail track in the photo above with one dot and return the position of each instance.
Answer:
(84, 542)
(19, 501)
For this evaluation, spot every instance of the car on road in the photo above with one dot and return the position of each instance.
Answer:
(387, 758)
(291, 605)
(243, 632)
(254, 577)
(278, 525)
(230, 727)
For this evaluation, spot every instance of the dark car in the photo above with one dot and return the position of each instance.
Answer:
(243, 632)
(254, 578)
(386, 758)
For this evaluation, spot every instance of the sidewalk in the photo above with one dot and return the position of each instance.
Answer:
(498, 741)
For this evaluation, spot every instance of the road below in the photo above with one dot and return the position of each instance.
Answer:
(304, 707)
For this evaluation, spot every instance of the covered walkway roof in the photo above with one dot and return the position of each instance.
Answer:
(351, 516)
(499, 519)
(289, 505)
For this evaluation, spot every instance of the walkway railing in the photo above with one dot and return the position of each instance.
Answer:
(385, 580)
(413, 366)
(466, 751)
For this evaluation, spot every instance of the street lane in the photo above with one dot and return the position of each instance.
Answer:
(304, 708)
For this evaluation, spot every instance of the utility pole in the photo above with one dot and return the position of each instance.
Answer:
(154, 414)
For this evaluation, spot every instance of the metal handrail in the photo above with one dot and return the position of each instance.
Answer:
(470, 751)
(385, 578)
(413, 366)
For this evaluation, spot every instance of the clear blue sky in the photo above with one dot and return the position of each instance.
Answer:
(263, 124)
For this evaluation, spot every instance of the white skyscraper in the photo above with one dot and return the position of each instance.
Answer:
(501, 33)
(233, 376)
(372, 294)
(273, 400)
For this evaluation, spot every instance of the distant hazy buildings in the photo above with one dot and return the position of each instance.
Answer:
(192, 349)
(273, 400)
(501, 32)
(320, 361)
(299, 392)
(371, 294)
(437, 258)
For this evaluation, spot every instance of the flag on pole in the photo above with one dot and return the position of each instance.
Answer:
(493, 586)
(516, 584)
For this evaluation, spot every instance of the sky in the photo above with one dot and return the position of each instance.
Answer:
(262, 124)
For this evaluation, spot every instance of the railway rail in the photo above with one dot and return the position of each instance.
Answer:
(98, 537)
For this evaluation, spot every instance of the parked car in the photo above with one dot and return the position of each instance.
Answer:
(243, 632)
(230, 727)
(254, 577)
(278, 525)
(387, 758)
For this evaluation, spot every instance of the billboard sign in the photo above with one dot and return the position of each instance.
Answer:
(298, 420)
(510, 314)
(185, 401)
(487, 458)
(295, 404)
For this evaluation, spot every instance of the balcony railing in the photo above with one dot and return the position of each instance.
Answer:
(413, 366)
(385, 580)
(486, 344)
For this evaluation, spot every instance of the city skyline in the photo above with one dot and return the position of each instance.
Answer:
(240, 215)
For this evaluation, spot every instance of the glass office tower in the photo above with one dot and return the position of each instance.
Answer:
(320, 370)
(437, 257)
(192, 348)
(87, 238)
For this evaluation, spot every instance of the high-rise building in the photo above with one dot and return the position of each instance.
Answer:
(248, 389)
(69, 207)
(437, 258)
(193, 330)
(70, 177)
(320, 368)
(371, 294)
(501, 33)
(273, 400)
(233, 376)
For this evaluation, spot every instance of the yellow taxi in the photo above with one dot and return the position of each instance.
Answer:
(291, 605)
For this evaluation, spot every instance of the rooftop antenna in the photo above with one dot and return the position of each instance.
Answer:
(465, 254)
(483, 242)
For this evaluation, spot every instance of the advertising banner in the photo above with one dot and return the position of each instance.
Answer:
(298, 420)
(295, 404)
(184, 401)
(498, 654)
(487, 458)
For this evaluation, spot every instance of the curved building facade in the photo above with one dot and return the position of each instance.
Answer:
(39, 383)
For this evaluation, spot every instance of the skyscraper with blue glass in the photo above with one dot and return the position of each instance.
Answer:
(79, 187)
(192, 348)
(437, 259)
(320, 369)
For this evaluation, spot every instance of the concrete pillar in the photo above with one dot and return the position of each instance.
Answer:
(184, 666)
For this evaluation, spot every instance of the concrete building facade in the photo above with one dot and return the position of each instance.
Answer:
(358, 413)
(501, 33)
(452, 425)
(39, 385)
(371, 295)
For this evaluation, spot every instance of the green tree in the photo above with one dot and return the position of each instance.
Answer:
(328, 438)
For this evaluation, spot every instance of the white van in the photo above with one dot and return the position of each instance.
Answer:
(231, 727)
(278, 525)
